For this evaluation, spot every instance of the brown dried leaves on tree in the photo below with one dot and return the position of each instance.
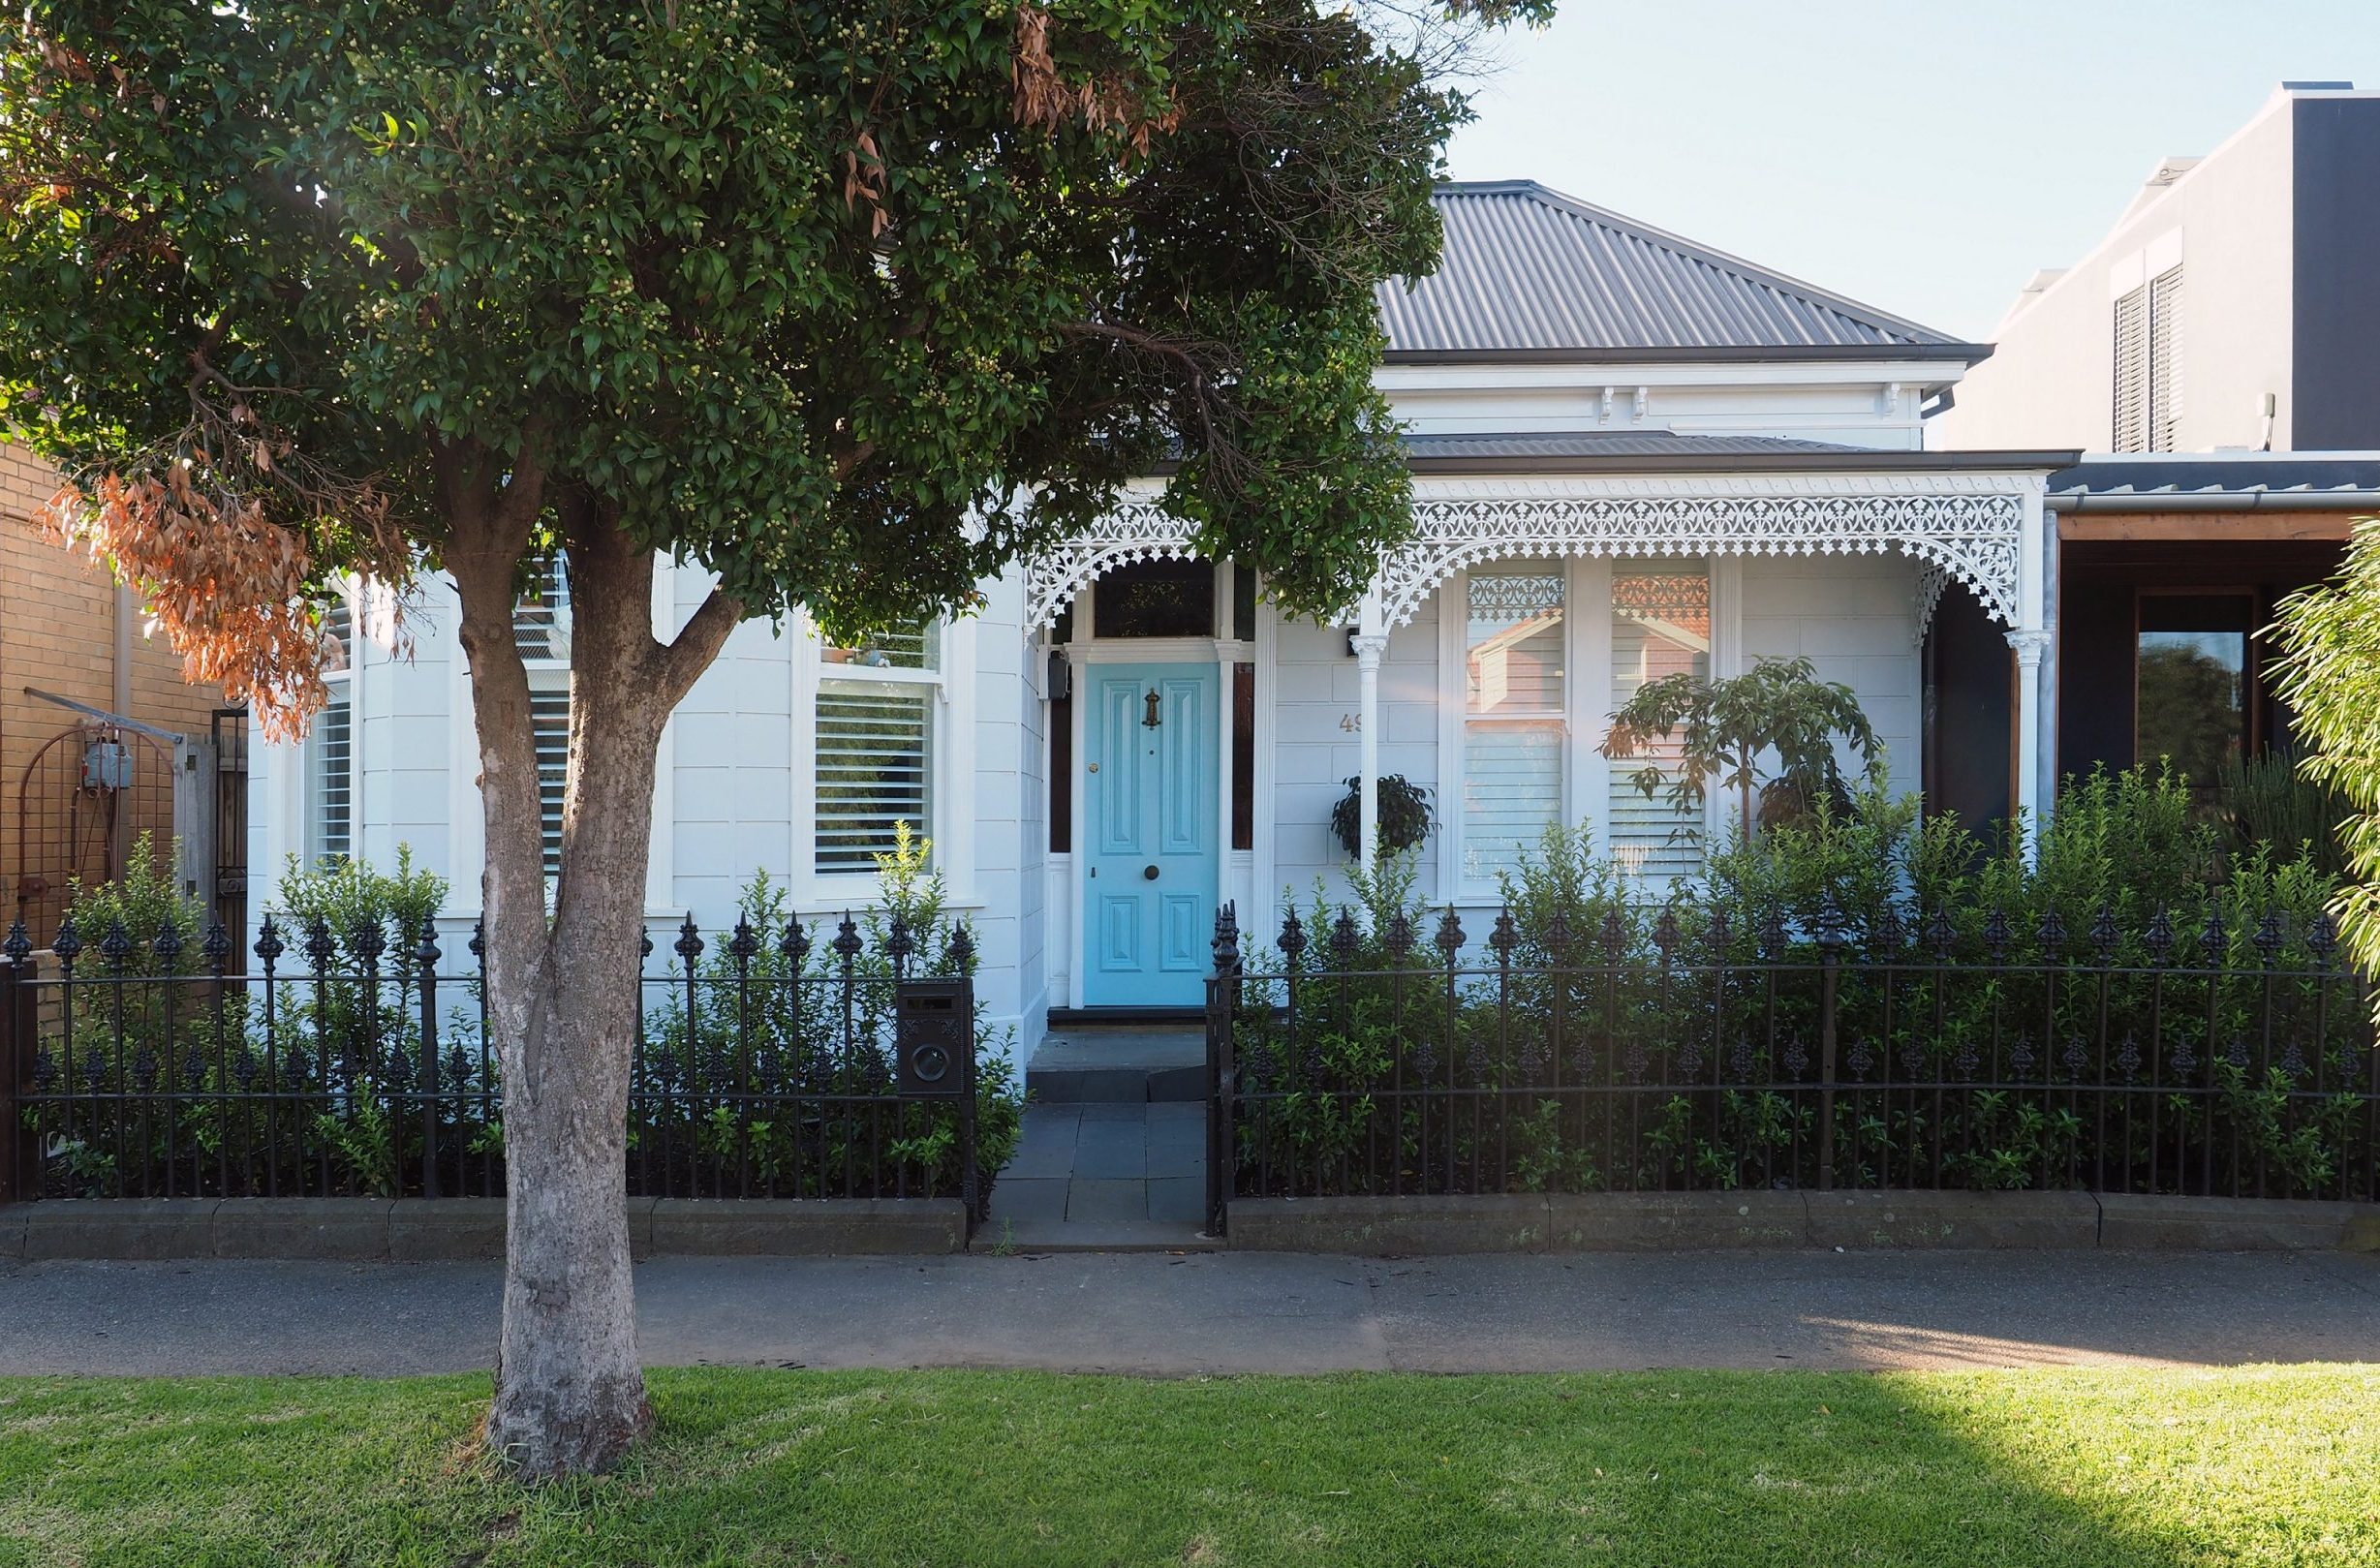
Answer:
(218, 530)
(1044, 97)
(236, 590)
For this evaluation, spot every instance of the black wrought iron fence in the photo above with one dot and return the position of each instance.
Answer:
(1682, 1050)
(335, 1066)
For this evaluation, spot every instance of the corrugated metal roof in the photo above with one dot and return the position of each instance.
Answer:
(1528, 271)
(2244, 474)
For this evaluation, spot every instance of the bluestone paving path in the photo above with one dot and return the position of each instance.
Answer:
(1102, 1176)
(1217, 1312)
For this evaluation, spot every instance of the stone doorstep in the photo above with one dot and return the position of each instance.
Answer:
(427, 1230)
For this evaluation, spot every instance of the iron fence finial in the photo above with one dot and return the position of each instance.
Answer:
(1226, 944)
(1449, 938)
(1293, 938)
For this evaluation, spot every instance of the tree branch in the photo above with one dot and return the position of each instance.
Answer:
(681, 661)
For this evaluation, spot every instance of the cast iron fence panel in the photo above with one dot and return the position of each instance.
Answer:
(1676, 1052)
(335, 1066)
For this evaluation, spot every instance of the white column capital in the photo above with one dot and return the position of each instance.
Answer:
(2030, 646)
(1369, 646)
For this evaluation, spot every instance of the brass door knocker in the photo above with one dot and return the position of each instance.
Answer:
(1150, 721)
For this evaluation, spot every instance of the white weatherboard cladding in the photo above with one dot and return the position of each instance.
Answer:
(1315, 747)
(1838, 566)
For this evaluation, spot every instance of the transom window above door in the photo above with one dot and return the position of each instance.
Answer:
(1154, 598)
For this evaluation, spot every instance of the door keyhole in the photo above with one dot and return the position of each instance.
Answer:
(1150, 721)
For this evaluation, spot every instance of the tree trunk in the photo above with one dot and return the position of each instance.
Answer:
(561, 997)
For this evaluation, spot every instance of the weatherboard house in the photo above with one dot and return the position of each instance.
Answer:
(1632, 456)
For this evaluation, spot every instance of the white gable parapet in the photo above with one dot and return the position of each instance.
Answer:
(1967, 527)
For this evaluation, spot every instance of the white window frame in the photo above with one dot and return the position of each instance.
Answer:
(1585, 784)
(344, 687)
(937, 678)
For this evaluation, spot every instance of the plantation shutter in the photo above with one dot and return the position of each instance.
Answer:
(874, 769)
(331, 828)
(1515, 689)
(541, 620)
(2165, 362)
(550, 726)
(2131, 424)
(1660, 627)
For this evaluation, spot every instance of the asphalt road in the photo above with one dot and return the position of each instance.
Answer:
(1161, 1314)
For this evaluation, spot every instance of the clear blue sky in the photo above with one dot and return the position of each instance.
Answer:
(1923, 156)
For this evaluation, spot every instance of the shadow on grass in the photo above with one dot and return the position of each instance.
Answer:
(2069, 1468)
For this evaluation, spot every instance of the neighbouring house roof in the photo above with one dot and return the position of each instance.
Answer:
(1528, 272)
(1664, 451)
(2221, 481)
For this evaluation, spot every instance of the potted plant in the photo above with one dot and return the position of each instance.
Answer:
(1404, 816)
(1724, 729)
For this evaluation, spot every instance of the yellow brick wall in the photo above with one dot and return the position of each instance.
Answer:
(58, 620)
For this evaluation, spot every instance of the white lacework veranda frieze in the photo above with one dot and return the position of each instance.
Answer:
(1970, 538)
(1513, 595)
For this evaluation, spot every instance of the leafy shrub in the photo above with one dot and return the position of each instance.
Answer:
(767, 1070)
(2142, 1007)
(2268, 799)
(144, 905)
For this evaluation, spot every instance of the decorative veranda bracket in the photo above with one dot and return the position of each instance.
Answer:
(1136, 530)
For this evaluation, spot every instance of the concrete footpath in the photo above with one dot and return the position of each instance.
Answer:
(1164, 1314)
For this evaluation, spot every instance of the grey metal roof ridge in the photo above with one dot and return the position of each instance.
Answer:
(1589, 211)
(1701, 354)
(1847, 460)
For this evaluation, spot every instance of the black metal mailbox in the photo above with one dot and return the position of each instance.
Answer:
(933, 1036)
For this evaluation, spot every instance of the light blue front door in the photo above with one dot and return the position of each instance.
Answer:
(1149, 840)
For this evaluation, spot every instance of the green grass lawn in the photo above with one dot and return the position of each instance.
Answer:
(2261, 1466)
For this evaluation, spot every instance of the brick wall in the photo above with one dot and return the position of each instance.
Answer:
(58, 632)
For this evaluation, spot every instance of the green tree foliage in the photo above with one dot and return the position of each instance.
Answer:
(791, 290)
(850, 305)
(2330, 676)
(1725, 730)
